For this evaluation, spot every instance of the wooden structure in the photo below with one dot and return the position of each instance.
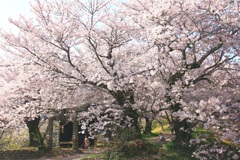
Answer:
(69, 135)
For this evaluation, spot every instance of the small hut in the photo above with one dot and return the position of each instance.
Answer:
(68, 132)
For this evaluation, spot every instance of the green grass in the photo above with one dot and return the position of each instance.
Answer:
(93, 157)
(176, 151)
(157, 151)
(152, 150)
(146, 136)
(159, 130)
(210, 137)
(201, 132)
(170, 150)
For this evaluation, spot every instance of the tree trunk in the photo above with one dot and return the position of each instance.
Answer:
(123, 97)
(50, 133)
(148, 126)
(182, 131)
(35, 136)
(75, 132)
(134, 115)
(182, 128)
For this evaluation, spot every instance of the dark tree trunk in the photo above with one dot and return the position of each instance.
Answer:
(148, 127)
(127, 97)
(134, 115)
(50, 133)
(182, 131)
(182, 128)
(35, 136)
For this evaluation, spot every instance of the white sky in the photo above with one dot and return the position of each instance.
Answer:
(12, 8)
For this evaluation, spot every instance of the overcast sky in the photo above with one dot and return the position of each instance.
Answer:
(12, 8)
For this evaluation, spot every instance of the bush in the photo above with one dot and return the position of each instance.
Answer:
(177, 151)
(14, 139)
(138, 148)
(127, 146)
(130, 149)
(112, 155)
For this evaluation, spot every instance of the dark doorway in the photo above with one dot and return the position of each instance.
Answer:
(66, 132)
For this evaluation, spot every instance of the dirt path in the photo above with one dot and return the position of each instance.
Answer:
(56, 154)
(168, 137)
(76, 156)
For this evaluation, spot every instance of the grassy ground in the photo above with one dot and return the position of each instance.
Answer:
(150, 148)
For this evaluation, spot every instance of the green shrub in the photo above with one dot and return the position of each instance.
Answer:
(138, 147)
(177, 151)
(130, 149)
(113, 154)
(127, 146)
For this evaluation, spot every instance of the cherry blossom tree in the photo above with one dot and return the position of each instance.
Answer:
(216, 107)
(174, 47)
(81, 41)
(187, 43)
(27, 95)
